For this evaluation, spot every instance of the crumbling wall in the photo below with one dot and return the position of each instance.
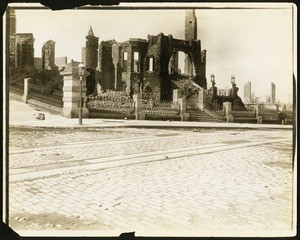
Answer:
(152, 79)
(105, 65)
(162, 48)
(116, 58)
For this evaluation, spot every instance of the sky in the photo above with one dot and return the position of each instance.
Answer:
(252, 44)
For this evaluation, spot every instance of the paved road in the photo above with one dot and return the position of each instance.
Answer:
(152, 181)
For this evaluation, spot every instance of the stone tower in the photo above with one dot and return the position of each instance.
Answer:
(90, 60)
(24, 51)
(90, 52)
(190, 25)
(190, 34)
(48, 55)
(247, 93)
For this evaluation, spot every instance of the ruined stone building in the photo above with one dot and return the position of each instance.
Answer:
(12, 32)
(21, 45)
(24, 51)
(146, 65)
(48, 55)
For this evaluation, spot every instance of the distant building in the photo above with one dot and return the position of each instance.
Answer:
(38, 63)
(247, 93)
(273, 92)
(61, 62)
(48, 55)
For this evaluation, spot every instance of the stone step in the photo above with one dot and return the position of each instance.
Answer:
(201, 116)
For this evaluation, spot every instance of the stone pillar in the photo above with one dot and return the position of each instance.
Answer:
(176, 95)
(257, 109)
(229, 118)
(228, 108)
(201, 100)
(139, 115)
(259, 119)
(182, 104)
(25, 96)
(71, 95)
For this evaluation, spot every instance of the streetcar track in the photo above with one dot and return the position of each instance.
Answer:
(130, 159)
(96, 159)
(90, 143)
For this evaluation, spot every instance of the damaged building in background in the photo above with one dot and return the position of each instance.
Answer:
(148, 66)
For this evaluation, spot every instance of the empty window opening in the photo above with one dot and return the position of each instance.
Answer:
(150, 64)
(125, 60)
(136, 62)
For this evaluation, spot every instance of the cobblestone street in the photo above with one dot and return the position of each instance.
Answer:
(152, 181)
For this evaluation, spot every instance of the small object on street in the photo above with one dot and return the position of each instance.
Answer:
(40, 116)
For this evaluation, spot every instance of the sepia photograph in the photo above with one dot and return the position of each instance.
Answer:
(163, 120)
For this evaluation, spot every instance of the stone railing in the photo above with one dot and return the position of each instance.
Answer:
(222, 92)
(111, 104)
(161, 108)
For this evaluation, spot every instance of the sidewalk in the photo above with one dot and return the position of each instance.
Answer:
(23, 115)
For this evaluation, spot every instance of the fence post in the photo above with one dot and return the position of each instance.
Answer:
(176, 95)
(182, 105)
(257, 108)
(139, 115)
(259, 119)
(25, 96)
(71, 95)
(201, 100)
(228, 108)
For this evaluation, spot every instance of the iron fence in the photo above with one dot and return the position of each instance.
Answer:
(46, 99)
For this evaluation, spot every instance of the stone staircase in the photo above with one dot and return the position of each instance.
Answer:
(197, 115)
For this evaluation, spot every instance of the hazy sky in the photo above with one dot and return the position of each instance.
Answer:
(253, 44)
